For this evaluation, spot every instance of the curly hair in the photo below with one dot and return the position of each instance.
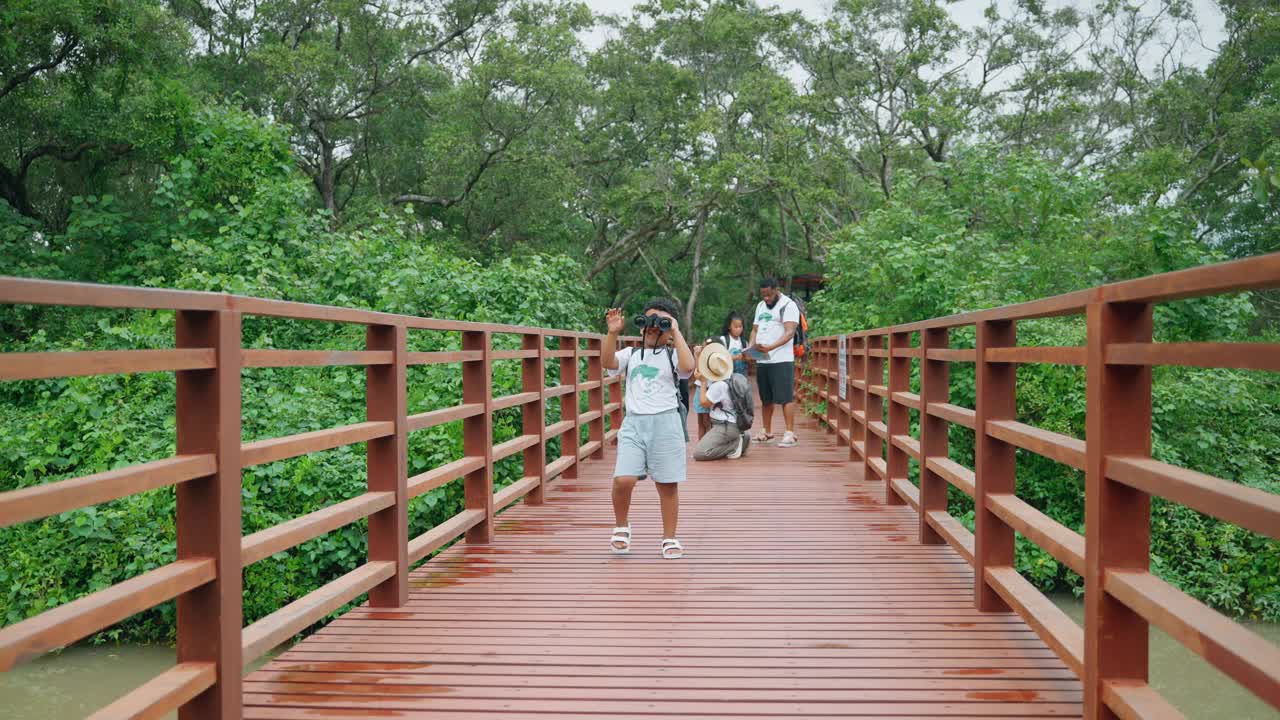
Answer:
(666, 305)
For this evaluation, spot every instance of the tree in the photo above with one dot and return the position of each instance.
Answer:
(84, 84)
(692, 98)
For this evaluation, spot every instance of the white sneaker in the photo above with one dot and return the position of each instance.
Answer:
(737, 452)
(788, 440)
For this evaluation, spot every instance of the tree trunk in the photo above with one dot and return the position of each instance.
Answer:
(886, 175)
(13, 190)
(785, 268)
(324, 172)
(326, 183)
(695, 278)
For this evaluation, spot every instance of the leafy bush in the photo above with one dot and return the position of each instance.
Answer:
(997, 229)
(231, 217)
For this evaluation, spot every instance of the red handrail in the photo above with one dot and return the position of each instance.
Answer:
(206, 578)
(1122, 596)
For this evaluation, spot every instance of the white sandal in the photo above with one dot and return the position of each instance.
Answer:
(672, 549)
(620, 543)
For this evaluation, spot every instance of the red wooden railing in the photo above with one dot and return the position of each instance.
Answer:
(1122, 596)
(205, 579)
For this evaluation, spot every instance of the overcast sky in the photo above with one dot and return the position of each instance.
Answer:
(967, 13)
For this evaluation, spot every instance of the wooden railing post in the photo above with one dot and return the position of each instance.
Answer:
(829, 388)
(857, 396)
(802, 388)
(1117, 517)
(388, 469)
(615, 417)
(846, 408)
(477, 432)
(208, 510)
(850, 372)
(820, 379)
(935, 387)
(995, 460)
(899, 414)
(533, 415)
(569, 441)
(874, 410)
(595, 397)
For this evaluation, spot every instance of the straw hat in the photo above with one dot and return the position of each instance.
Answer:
(715, 363)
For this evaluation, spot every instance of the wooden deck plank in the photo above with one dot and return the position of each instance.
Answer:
(800, 595)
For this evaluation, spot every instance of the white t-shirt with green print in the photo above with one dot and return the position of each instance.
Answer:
(651, 389)
(770, 327)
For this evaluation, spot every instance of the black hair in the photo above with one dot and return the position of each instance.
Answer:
(728, 320)
(769, 281)
(666, 305)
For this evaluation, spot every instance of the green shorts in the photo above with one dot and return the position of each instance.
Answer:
(651, 446)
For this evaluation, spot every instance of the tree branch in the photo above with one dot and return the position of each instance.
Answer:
(662, 282)
(444, 42)
(448, 202)
(614, 252)
(68, 46)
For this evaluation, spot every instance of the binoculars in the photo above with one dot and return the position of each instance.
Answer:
(645, 322)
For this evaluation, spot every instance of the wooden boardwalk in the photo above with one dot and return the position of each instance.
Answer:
(800, 595)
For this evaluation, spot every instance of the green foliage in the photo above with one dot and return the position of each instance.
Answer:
(478, 160)
(997, 228)
(238, 220)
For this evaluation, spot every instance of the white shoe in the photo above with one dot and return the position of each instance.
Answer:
(672, 549)
(620, 543)
(788, 440)
(737, 452)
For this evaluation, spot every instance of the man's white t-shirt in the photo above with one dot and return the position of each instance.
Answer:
(770, 328)
(723, 410)
(651, 389)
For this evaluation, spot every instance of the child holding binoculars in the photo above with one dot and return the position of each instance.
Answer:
(651, 441)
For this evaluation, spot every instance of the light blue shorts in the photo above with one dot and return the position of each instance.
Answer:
(653, 446)
(697, 404)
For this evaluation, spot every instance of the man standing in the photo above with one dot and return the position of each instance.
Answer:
(776, 319)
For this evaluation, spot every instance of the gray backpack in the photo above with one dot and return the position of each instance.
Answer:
(744, 407)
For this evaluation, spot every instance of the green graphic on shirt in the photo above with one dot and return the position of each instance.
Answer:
(645, 371)
(764, 317)
(647, 374)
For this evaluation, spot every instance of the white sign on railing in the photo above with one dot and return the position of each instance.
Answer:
(844, 373)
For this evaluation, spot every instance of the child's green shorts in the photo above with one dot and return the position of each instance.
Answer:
(652, 446)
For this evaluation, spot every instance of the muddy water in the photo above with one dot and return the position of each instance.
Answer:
(1197, 688)
(78, 681)
(74, 683)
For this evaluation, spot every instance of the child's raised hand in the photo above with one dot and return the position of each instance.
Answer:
(614, 321)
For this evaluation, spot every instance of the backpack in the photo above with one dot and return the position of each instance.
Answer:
(800, 340)
(744, 411)
(680, 404)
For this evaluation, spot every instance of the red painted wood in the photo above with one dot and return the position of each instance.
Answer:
(899, 415)
(857, 398)
(388, 469)
(995, 463)
(1117, 516)
(477, 433)
(873, 410)
(935, 387)
(801, 595)
(208, 510)
(533, 378)
(595, 399)
(569, 406)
